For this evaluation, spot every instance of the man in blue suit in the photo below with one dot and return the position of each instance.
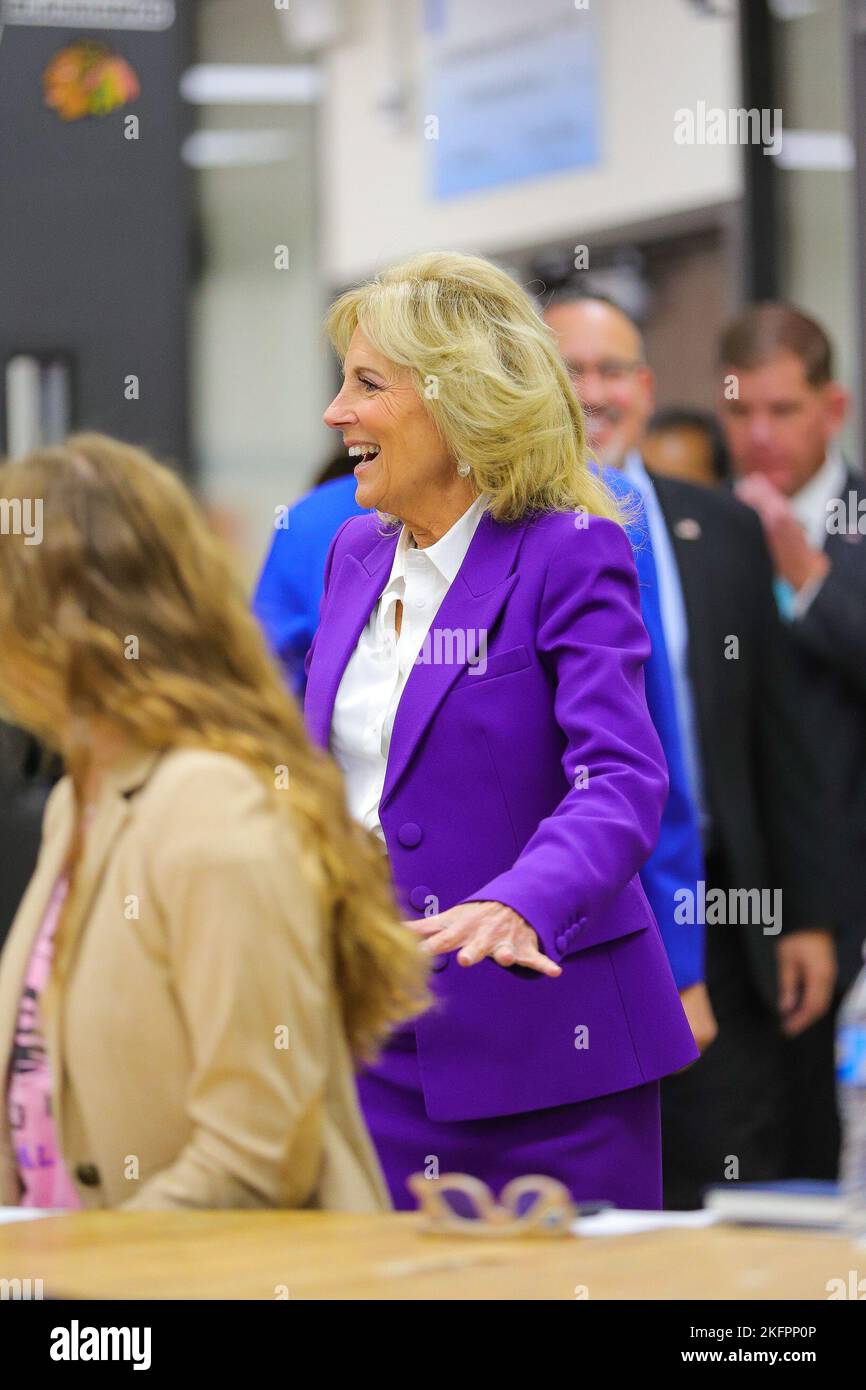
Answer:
(286, 604)
(677, 860)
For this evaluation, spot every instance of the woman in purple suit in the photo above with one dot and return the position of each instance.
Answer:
(478, 675)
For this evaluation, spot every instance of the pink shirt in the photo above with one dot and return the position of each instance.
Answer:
(40, 1166)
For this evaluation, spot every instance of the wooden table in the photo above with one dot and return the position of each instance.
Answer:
(325, 1255)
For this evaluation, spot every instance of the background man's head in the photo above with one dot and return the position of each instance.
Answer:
(780, 406)
(603, 352)
(686, 444)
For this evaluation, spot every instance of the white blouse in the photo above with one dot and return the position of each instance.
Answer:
(378, 669)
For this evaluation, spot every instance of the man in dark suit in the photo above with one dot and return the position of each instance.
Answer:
(782, 411)
(754, 778)
(26, 777)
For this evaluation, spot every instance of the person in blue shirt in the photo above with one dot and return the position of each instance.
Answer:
(677, 861)
(289, 590)
(286, 603)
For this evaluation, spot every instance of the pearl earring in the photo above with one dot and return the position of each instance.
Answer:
(464, 470)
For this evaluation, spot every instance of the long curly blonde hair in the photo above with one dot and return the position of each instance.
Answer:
(125, 550)
(487, 368)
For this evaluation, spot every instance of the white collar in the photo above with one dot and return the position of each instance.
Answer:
(810, 503)
(634, 468)
(447, 554)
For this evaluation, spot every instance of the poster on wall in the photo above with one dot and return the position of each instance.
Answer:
(511, 91)
(90, 14)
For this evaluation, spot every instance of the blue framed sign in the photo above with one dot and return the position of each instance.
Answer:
(511, 91)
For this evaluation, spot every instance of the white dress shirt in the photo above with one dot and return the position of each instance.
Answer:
(810, 506)
(811, 502)
(378, 669)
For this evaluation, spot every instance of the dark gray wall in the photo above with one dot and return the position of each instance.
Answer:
(857, 29)
(94, 235)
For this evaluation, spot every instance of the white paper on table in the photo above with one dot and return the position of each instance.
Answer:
(614, 1221)
(8, 1214)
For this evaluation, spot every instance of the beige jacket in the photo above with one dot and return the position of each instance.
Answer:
(192, 951)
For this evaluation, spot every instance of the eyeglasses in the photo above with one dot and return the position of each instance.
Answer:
(455, 1203)
(611, 371)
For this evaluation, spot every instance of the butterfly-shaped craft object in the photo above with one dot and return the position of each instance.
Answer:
(456, 1203)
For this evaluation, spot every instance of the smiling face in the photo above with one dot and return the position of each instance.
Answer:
(402, 464)
(602, 352)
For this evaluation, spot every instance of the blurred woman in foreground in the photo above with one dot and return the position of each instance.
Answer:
(208, 938)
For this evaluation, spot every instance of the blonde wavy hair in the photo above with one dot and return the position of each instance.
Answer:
(125, 549)
(487, 368)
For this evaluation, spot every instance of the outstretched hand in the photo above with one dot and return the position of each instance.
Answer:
(481, 929)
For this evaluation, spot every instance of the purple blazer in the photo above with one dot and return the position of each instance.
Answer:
(538, 782)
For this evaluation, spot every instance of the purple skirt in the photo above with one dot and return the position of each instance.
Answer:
(604, 1149)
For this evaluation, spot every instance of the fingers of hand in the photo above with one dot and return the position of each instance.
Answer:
(445, 931)
(428, 926)
(479, 930)
(788, 984)
(816, 996)
(518, 946)
(486, 940)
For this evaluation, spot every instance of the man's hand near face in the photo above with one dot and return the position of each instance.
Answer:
(794, 559)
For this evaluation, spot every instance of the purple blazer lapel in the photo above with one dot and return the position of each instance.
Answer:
(355, 590)
(466, 617)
